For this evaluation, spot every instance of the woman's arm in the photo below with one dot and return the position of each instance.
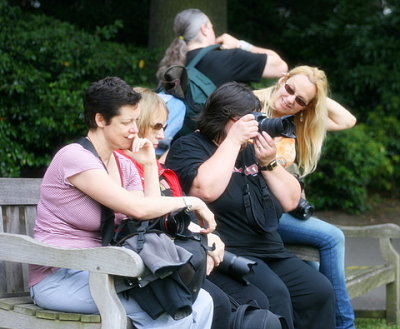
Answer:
(339, 118)
(282, 184)
(275, 66)
(213, 175)
(101, 187)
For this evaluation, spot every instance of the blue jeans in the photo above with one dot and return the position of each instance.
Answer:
(330, 241)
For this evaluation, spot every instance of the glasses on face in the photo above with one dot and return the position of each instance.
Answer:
(297, 99)
(158, 126)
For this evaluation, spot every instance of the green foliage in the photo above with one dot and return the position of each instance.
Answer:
(45, 66)
(352, 161)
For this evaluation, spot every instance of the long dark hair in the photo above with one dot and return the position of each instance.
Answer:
(230, 100)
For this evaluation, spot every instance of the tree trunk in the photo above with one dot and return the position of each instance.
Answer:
(163, 12)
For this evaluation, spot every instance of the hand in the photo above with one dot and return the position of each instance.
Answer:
(205, 216)
(216, 255)
(227, 41)
(244, 129)
(142, 151)
(265, 148)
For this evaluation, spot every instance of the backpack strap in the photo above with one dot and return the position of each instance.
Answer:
(201, 54)
(107, 214)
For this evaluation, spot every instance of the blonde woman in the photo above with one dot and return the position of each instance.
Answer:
(303, 92)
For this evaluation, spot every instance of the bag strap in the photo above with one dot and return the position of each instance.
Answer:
(201, 54)
(268, 205)
(107, 214)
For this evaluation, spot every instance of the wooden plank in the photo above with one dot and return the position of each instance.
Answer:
(389, 230)
(19, 191)
(111, 260)
(368, 281)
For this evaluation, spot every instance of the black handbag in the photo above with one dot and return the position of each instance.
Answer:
(248, 316)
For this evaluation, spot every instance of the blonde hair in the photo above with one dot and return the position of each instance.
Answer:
(151, 106)
(310, 123)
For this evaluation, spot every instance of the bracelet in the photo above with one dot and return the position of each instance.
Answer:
(270, 166)
(244, 45)
(188, 206)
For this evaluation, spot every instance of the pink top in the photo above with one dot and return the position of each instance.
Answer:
(66, 217)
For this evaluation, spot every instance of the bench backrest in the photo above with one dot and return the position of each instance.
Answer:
(18, 200)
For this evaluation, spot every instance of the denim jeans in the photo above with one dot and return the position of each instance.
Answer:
(330, 241)
(68, 291)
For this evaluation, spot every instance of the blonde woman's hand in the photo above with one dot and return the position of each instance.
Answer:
(204, 214)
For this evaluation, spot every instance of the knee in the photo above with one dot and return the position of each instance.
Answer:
(322, 290)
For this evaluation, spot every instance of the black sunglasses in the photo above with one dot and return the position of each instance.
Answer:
(297, 99)
(158, 126)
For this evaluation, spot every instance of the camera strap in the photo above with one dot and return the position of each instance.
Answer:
(267, 220)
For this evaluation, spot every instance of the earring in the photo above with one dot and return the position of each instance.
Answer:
(301, 116)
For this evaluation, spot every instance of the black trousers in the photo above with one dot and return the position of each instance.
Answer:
(296, 291)
(219, 285)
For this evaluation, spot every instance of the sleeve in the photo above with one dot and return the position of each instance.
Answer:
(246, 66)
(76, 159)
(185, 157)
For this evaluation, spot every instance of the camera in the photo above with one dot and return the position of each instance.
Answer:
(176, 224)
(304, 210)
(283, 126)
(236, 266)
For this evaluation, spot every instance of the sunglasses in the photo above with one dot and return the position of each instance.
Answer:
(158, 126)
(297, 99)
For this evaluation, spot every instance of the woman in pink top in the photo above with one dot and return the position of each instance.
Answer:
(77, 182)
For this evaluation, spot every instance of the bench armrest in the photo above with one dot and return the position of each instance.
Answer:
(107, 260)
(389, 230)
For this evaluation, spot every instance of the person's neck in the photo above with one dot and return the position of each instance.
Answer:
(197, 44)
(100, 146)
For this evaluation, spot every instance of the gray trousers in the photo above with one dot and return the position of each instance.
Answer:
(68, 291)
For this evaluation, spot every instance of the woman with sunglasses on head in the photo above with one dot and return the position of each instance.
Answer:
(302, 92)
(231, 166)
(151, 124)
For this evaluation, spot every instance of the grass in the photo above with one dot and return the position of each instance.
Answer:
(364, 323)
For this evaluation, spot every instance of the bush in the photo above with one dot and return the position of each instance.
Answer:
(352, 161)
(45, 66)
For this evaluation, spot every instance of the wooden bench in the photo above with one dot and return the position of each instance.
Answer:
(18, 199)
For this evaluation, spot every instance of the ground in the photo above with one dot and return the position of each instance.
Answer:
(386, 211)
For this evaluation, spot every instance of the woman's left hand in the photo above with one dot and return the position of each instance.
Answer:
(142, 151)
(265, 148)
(216, 255)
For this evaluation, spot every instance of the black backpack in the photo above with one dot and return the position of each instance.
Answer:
(191, 86)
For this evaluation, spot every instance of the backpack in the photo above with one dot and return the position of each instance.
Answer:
(191, 86)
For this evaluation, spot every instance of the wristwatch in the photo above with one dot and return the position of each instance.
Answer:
(270, 166)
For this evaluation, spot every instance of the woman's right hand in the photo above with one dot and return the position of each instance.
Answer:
(203, 213)
(243, 129)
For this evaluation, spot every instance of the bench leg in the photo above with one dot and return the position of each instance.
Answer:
(113, 315)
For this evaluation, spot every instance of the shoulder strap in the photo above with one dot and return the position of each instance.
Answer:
(107, 214)
(201, 54)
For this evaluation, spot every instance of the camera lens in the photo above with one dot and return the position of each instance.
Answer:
(304, 210)
(283, 126)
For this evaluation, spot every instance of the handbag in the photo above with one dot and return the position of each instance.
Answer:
(249, 316)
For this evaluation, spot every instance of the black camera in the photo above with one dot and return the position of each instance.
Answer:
(304, 210)
(283, 126)
(176, 223)
(236, 266)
